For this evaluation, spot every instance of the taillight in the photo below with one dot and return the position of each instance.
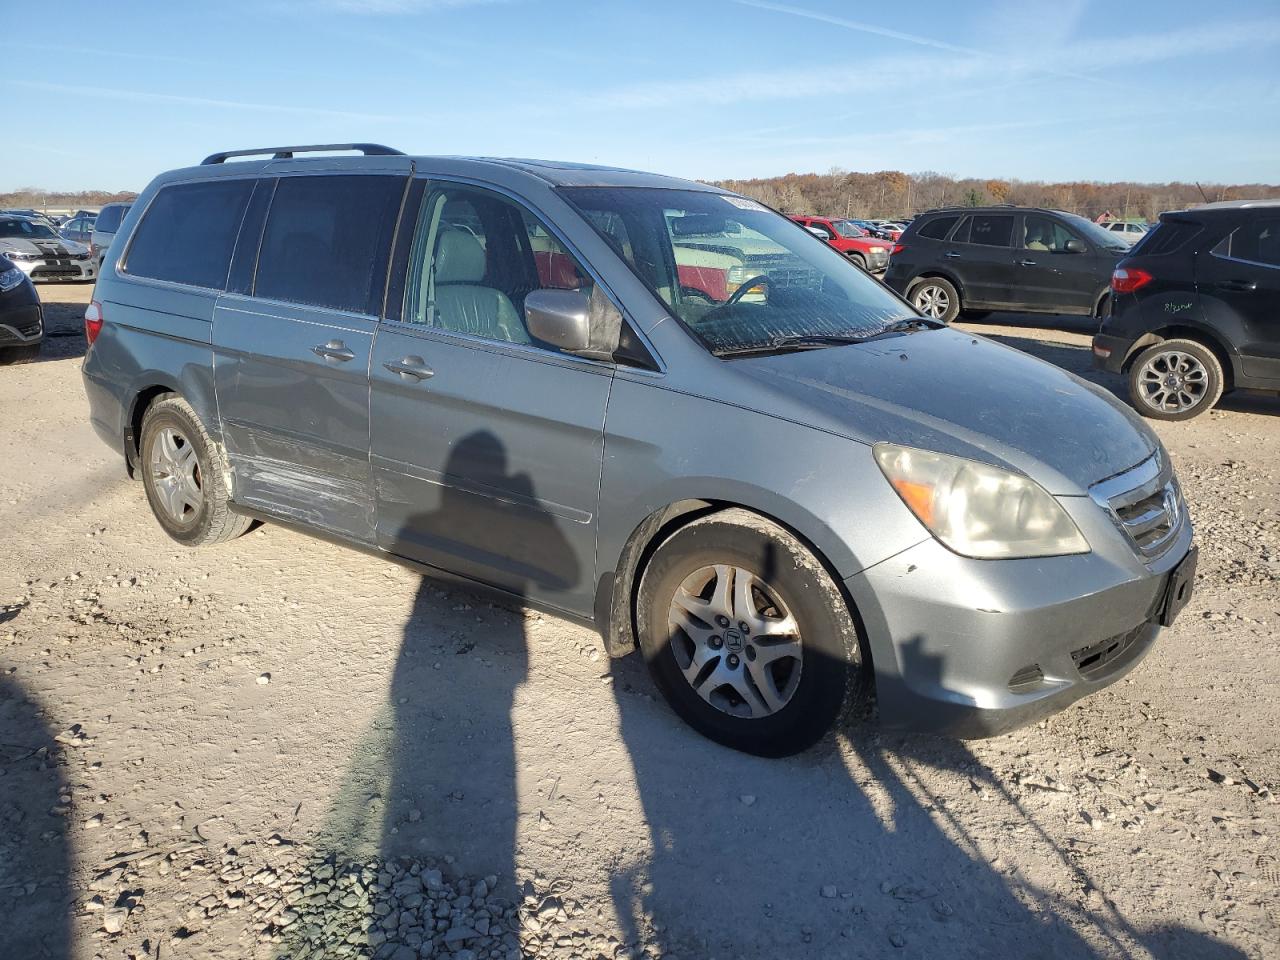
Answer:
(92, 321)
(1129, 279)
(897, 249)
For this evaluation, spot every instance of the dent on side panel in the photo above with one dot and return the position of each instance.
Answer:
(662, 447)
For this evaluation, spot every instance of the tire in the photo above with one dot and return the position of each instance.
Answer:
(1175, 380)
(816, 673)
(936, 298)
(23, 354)
(859, 261)
(184, 475)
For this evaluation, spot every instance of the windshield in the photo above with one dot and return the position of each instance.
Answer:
(27, 229)
(847, 228)
(738, 275)
(1095, 233)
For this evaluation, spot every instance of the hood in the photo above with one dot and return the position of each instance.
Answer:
(960, 394)
(55, 247)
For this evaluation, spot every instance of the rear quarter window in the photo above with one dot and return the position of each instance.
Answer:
(109, 219)
(325, 239)
(1167, 236)
(188, 232)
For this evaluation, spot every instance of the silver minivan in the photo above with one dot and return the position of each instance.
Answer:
(645, 404)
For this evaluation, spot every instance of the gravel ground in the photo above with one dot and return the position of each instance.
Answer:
(281, 748)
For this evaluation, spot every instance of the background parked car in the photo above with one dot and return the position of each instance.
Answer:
(1126, 230)
(78, 229)
(978, 259)
(21, 317)
(105, 227)
(851, 240)
(888, 229)
(36, 249)
(1196, 309)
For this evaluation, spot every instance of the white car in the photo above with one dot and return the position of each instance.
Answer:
(38, 251)
(1126, 232)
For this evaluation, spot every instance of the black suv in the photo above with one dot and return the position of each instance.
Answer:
(21, 317)
(1196, 309)
(972, 260)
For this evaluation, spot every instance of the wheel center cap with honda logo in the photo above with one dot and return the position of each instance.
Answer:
(733, 641)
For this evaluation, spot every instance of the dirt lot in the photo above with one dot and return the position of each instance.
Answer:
(283, 748)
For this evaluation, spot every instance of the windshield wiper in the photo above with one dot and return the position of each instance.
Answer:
(819, 341)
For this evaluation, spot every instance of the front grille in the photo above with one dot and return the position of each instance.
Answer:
(1096, 660)
(1145, 503)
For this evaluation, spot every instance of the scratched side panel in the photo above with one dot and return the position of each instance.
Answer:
(295, 424)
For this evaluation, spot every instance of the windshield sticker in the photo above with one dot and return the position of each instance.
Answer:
(742, 203)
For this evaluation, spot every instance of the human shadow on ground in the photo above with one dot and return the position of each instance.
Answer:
(431, 790)
(839, 852)
(842, 852)
(35, 852)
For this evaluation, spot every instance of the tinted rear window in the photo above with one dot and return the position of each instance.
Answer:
(938, 229)
(1165, 237)
(109, 219)
(326, 238)
(1256, 242)
(188, 233)
(991, 230)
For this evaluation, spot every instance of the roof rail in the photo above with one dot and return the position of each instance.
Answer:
(284, 153)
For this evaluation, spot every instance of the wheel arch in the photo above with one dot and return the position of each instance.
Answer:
(617, 591)
(936, 273)
(1206, 338)
(142, 400)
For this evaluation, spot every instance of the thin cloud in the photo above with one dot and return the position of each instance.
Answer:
(862, 27)
(138, 96)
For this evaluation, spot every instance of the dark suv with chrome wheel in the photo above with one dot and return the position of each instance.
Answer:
(970, 261)
(1196, 309)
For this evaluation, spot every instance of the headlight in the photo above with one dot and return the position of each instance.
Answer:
(16, 255)
(10, 278)
(877, 249)
(978, 510)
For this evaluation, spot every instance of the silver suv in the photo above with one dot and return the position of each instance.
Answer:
(642, 403)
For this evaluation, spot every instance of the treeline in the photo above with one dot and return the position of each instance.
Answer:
(891, 193)
(33, 198)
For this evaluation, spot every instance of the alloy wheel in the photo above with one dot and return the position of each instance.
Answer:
(1173, 382)
(175, 474)
(932, 301)
(735, 641)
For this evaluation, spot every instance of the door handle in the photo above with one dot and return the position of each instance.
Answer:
(1026, 263)
(1242, 285)
(410, 368)
(333, 350)
(951, 256)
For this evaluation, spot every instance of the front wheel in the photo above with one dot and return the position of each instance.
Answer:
(859, 261)
(747, 636)
(1175, 380)
(936, 298)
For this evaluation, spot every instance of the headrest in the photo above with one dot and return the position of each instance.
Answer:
(459, 258)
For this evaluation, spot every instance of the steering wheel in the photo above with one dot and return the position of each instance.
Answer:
(746, 288)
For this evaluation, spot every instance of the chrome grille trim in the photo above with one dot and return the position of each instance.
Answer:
(1146, 504)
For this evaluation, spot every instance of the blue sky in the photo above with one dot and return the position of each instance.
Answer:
(1073, 89)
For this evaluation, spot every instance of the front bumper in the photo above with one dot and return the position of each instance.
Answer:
(1110, 353)
(59, 269)
(974, 648)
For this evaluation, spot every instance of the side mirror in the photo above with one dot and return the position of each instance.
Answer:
(1075, 246)
(588, 326)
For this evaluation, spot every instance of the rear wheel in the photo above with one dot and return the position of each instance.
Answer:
(746, 635)
(1175, 380)
(183, 473)
(936, 298)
